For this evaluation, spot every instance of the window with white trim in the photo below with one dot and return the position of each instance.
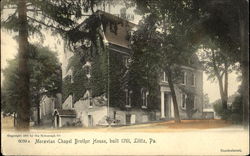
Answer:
(87, 68)
(183, 78)
(90, 102)
(128, 95)
(193, 79)
(126, 61)
(164, 77)
(144, 93)
(183, 101)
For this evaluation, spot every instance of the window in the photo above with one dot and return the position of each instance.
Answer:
(164, 77)
(183, 101)
(183, 77)
(193, 79)
(128, 95)
(87, 68)
(114, 114)
(126, 61)
(144, 94)
(90, 102)
(73, 99)
(70, 74)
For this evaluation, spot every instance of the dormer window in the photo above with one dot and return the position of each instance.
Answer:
(144, 95)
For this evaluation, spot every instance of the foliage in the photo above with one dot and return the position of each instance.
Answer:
(234, 113)
(28, 17)
(190, 110)
(45, 74)
(77, 83)
(237, 110)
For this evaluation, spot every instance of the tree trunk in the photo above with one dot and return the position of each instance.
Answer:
(219, 77)
(244, 40)
(226, 85)
(171, 85)
(38, 110)
(222, 93)
(23, 108)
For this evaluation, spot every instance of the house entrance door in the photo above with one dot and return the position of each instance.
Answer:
(57, 120)
(90, 120)
(128, 119)
(167, 105)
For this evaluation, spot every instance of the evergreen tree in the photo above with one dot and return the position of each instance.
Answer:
(45, 73)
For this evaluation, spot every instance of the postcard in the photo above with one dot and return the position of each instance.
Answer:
(115, 77)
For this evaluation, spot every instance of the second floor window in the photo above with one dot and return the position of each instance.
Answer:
(126, 61)
(183, 77)
(87, 68)
(193, 79)
(164, 77)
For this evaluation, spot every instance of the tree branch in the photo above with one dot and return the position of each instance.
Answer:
(46, 25)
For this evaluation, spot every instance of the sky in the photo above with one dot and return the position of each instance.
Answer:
(9, 49)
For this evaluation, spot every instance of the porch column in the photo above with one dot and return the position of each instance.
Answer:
(162, 105)
(55, 121)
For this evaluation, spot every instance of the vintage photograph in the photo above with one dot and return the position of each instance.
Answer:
(157, 77)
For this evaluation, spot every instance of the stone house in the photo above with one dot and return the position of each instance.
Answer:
(48, 104)
(117, 105)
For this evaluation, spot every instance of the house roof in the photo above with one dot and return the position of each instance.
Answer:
(117, 31)
(66, 112)
(208, 110)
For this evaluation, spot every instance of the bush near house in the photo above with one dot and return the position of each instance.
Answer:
(234, 113)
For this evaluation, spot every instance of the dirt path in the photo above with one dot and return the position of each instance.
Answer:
(163, 126)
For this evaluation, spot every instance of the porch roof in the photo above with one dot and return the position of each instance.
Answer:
(66, 112)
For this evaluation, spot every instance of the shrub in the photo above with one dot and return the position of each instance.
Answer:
(234, 113)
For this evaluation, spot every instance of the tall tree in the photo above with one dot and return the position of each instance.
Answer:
(162, 39)
(218, 66)
(28, 17)
(225, 21)
(45, 79)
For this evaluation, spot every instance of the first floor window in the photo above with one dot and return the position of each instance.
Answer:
(128, 95)
(144, 93)
(183, 101)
